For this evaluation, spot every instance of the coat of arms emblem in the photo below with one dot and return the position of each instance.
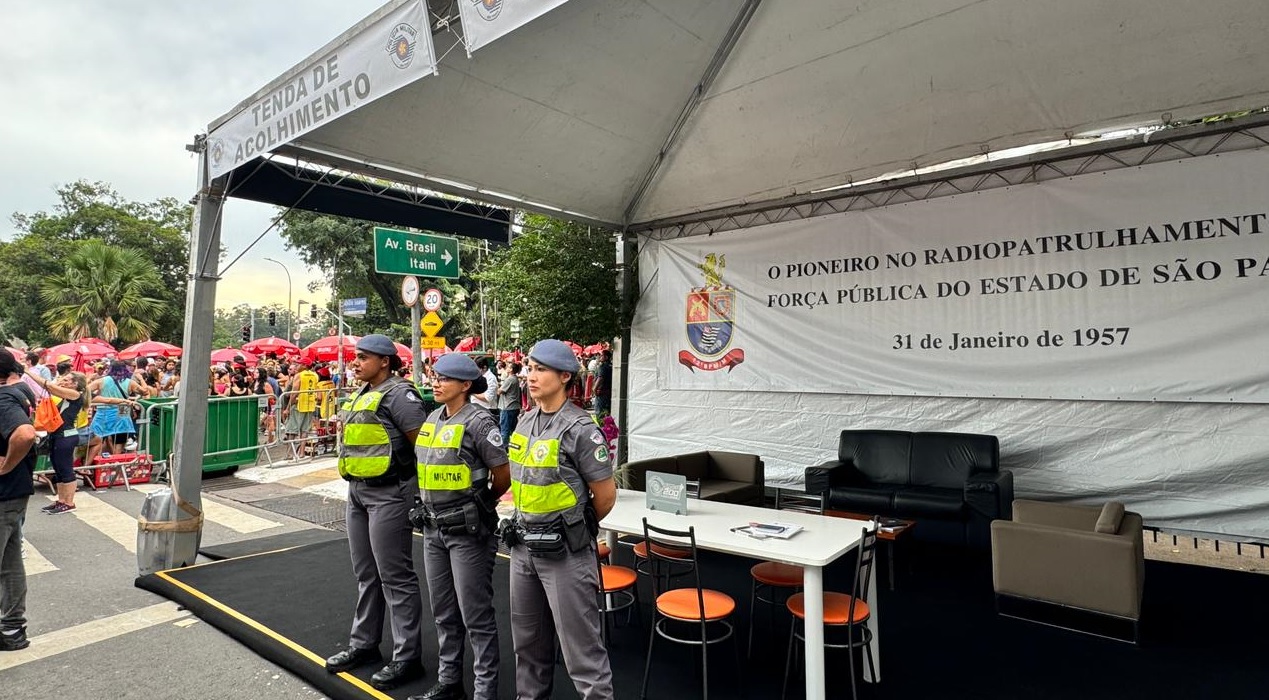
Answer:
(711, 316)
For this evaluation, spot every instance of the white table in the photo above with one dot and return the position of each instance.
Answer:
(822, 540)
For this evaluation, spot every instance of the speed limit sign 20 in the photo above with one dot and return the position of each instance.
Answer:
(432, 299)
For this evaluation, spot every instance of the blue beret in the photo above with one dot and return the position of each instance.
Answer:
(556, 355)
(377, 344)
(456, 365)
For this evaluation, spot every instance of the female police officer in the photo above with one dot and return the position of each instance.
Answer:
(562, 484)
(380, 425)
(462, 472)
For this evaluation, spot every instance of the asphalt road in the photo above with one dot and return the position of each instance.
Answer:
(94, 635)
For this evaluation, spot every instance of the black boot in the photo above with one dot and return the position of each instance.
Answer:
(397, 673)
(442, 691)
(13, 640)
(351, 658)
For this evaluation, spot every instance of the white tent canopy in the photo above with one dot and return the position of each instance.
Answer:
(646, 115)
(574, 110)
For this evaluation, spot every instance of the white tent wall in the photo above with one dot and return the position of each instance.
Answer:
(1193, 466)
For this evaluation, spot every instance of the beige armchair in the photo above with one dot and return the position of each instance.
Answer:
(1082, 557)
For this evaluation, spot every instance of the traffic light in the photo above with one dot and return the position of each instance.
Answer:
(312, 311)
(273, 318)
(246, 333)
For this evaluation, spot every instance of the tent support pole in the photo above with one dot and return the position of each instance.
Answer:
(627, 286)
(179, 546)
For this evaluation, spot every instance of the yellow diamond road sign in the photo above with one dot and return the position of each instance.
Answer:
(431, 343)
(431, 324)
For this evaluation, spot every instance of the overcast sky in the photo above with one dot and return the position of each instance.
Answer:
(113, 91)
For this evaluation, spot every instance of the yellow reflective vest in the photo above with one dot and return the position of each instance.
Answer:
(543, 485)
(366, 451)
(443, 475)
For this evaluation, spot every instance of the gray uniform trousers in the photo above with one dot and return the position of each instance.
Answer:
(460, 586)
(381, 541)
(550, 595)
(12, 568)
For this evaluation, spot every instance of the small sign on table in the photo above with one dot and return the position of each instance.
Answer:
(666, 492)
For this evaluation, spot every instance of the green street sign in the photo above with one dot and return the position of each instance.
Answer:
(422, 254)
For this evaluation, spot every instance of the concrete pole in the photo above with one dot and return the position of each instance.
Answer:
(416, 315)
(171, 549)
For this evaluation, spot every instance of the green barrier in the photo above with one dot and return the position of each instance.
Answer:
(232, 431)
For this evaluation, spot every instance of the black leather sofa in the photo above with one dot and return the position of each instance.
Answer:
(950, 483)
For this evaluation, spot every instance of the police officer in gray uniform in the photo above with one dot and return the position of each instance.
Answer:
(462, 471)
(376, 457)
(562, 481)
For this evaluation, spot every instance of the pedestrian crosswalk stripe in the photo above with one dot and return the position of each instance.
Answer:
(71, 638)
(34, 562)
(108, 520)
(225, 516)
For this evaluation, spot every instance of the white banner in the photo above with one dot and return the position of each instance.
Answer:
(1138, 284)
(389, 54)
(486, 20)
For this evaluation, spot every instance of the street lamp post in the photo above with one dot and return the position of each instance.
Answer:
(288, 298)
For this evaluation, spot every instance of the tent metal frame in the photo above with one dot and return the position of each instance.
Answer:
(1155, 147)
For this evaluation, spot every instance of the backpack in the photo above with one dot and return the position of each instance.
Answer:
(47, 418)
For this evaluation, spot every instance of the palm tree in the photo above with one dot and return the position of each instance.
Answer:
(105, 292)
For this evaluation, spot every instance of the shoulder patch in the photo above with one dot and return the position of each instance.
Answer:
(597, 438)
(495, 437)
(601, 453)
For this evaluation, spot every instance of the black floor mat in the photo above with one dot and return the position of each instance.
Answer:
(271, 543)
(940, 637)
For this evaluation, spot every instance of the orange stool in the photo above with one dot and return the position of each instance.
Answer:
(604, 552)
(841, 610)
(669, 562)
(702, 610)
(619, 592)
(774, 577)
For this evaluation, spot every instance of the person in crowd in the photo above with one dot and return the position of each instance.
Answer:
(462, 471)
(377, 458)
(488, 399)
(112, 417)
(69, 391)
(509, 400)
(219, 382)
(297, 417)
(239, 385)
(263, 388)
(603, 384)
(17, 471)
(33, 380)
(563, 484)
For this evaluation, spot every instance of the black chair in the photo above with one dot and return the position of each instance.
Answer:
(695, 607)
(842, 610)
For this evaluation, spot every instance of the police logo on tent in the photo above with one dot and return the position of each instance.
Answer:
(488, 9)
(401, 42)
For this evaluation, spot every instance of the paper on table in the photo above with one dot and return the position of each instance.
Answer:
(780, 531)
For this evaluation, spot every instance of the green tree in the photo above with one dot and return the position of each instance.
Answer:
(41, 242)
(559, 280)
(104, 291)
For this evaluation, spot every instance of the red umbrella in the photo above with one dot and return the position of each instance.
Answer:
(404, 352)
(594, 349)
(262, 346)
(432, 354)
(149, 348)
(327, 349)
(18, 353)
(228, 355)
(577, 349)
(467, 344)
(81, 352)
